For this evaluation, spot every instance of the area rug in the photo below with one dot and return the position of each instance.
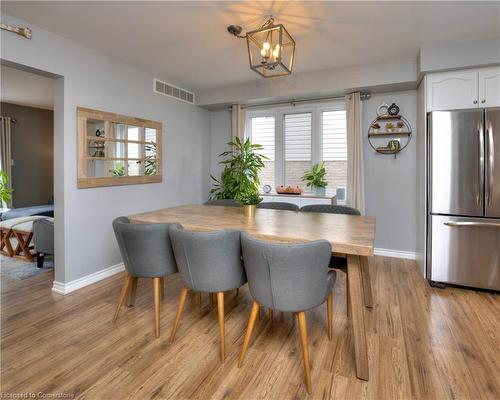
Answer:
(20, 269)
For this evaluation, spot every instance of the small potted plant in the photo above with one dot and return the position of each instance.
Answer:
(315, 178)
(375, 127)
(5, 192)
(400, 125)
(249, 200)
(389, 127)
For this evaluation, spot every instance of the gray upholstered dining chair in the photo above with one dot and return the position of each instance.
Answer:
(278, 205)
(288, 277)
(335, 262)
(147, 253)
(208, 262)
(223, 202)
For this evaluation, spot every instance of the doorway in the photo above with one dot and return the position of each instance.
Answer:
(27, 172)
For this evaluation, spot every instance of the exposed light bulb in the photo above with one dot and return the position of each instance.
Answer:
(266, 46)
(263, 52)
(276, 53)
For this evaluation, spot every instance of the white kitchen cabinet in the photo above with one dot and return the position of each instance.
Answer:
(489, 87)
(452, 90)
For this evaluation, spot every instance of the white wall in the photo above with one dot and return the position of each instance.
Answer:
(389, 183)
(84, 239)
(463, 54)
(393, 75)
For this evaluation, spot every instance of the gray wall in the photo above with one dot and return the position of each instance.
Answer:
(220, 135)
(84, 239)
(33, 155)
(389, 183)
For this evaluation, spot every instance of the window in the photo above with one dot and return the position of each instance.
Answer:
(334, 147)
(262, 132)
(298, 147)
(296, 137)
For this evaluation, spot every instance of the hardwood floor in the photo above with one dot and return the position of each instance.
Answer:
(422, 343)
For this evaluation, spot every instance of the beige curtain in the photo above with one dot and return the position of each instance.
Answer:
(238, 114)
(5, 148)
(355, 164)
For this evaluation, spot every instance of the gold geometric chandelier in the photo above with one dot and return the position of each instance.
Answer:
(271, 49)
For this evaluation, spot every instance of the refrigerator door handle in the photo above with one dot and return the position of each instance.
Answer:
(479, 195)
(471, 223)
(491, 163)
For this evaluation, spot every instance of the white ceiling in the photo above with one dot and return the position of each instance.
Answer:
(26, 88)
(187, 42)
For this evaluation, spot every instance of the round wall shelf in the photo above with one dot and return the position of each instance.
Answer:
(393, 129)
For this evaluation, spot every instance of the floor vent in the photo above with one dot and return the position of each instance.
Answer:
(169, 90)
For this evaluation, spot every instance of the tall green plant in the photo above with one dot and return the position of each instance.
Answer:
(315, 177)
(240, 178)
(5, 192)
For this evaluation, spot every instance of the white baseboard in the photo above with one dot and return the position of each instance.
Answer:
(65, 288)
(409, 255)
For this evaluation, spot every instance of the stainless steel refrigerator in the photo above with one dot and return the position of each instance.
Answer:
(463, 221)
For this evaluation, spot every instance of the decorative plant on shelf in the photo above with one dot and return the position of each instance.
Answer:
(315, 178)
(240, 178)
(5, 192)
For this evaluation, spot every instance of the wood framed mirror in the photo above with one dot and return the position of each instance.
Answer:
(114, 149)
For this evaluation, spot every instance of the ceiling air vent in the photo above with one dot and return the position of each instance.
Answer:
(169, 90)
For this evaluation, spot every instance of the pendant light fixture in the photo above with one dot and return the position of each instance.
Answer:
(271, 49)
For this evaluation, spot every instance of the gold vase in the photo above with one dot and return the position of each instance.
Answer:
(249, 210)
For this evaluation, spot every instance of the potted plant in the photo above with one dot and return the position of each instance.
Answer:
(249, 201)
(5, 192)
(315, 178)
(389, 127)
(400, 125)
(240, 178)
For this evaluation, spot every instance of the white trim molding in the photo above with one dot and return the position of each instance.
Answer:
(409, 255)
(65, 288)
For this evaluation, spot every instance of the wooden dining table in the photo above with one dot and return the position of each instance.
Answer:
(350, 236)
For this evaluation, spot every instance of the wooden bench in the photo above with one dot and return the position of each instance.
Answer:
(8, 232)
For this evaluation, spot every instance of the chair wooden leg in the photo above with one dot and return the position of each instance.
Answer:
(132, 292)
(301, 317)
(220, 312)
(212, 300)
(329, 315)
(162, 287)
(270, 314)
(180, 308)
(156, 298)
(123, 295)
(248, 334)
(199, 300)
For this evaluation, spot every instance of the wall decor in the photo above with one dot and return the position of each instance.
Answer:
(393, 109)
(385, 126)
(382, 109)
(115, 149)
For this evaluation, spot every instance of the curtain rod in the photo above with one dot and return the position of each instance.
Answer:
(363, 96)
(13, 120)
